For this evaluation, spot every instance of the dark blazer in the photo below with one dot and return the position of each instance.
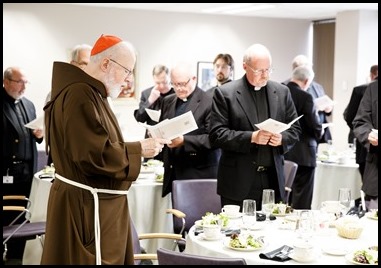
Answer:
(13, 132)
(233, 121)
(196, 158)
(317, 90)
(140, 114)
(365, 120)
(304, 151)
(350, 113)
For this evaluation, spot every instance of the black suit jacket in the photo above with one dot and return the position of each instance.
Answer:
(12, 133)
(140, 114)
(233, 121)
(350, 113)
(196, 158)
(304, 151)
(365, 120)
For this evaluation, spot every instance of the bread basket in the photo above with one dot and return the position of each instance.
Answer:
(349, 227)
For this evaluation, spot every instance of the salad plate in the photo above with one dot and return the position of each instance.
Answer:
(365, 256)
(372, 215)
(258, 244)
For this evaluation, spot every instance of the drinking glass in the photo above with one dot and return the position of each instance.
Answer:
(268, 202)
(249, 217)
(345, 199)
(305, 224)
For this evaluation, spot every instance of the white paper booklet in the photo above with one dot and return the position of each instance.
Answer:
(275, 126)
(153, 114)
(37, 123)
(172, 128)
(322, 102)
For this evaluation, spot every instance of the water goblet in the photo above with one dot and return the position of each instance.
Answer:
(268, 202)
(345, 199)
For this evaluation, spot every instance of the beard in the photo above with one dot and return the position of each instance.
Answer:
(113, 88)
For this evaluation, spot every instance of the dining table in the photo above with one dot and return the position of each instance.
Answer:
(329, 247)
(331, 176)
(146, 206)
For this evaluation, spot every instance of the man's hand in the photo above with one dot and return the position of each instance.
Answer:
(38, 133)
(155, 94)
(152, 146)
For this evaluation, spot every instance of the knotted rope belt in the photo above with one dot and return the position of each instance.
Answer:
(94, 192)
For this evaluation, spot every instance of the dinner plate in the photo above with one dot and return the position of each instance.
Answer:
(226, 244)
(349, 257)
(145, 169)
(280, 214)
(198, 224)
(371, 215)
(236, 216)
(335, 251)
(313, 258)
(203, 237)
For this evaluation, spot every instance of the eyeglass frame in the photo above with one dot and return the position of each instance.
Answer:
(20, 82)
(128, 71)
(262, 71)
(181, 84)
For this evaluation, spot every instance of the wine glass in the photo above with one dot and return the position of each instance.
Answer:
(345, 199)
(249, 217)
(268, 202)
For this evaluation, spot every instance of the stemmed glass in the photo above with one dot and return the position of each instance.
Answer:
(249, 217)
(345, 199)
(268, 202)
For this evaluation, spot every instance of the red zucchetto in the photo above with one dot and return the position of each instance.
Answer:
(104, 42)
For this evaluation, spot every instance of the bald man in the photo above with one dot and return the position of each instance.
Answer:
(252, 159)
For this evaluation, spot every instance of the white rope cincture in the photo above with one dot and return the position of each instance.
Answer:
(97, 227)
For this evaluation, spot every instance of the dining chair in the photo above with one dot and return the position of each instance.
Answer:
(191, 199)
(169, 257)
(290, 169)
(142, 257)
(20, 228)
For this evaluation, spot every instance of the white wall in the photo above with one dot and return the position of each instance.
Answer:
(35, 35)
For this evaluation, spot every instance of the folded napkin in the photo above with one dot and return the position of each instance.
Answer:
(280, 254)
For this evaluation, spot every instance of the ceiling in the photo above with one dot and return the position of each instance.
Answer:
(310, 11)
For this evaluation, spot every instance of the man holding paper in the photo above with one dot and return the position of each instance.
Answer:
(304, 152)
(189, 156)
(252, 159)
(19, 143)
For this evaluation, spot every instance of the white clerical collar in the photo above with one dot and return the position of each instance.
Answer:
(184, 100)
(257, 88)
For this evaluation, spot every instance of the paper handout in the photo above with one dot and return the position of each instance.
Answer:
(174, 127)
(275, 126)
(37, 123)
(153, 114)
(322, 102)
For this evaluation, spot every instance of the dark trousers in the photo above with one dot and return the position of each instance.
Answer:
(261, 180)
(303, 187)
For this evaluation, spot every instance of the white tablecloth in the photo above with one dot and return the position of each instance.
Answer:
(330, 177)
(147, 209)
(277, 237)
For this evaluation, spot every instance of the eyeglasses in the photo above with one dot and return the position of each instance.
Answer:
(20, 82)
(263, 71)
(128, 72)
(181, 84)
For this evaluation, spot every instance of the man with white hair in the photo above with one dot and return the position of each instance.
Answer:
(304, 152)
(88, 218)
